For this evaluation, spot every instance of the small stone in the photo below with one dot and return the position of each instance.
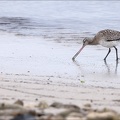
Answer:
(108, 110)
(65, 113)
(36, 99)
(57, 117)
(72, 107)
(10, 106)
(19, 102)
(102, 116)
(86, 109)
(43, 105)
(56, 105)
(91, 101)
(74, 116)
(24, 117)
(82, 81)
(66, 106)
(46, 117)
(87, 105)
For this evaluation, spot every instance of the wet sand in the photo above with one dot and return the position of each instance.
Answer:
(33, 69)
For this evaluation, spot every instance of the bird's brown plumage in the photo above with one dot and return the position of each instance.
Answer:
(107, 38)
(107, 35)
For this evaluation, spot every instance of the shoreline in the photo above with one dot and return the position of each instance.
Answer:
(34, 70)
(33, 89)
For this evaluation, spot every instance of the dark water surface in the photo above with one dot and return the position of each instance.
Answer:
(61, 21)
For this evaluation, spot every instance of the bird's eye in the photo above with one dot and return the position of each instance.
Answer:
(84, 41)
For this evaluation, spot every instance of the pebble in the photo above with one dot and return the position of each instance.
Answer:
(55, 111)
(19, 102)
(87, 105)
(102, 116)
(46, 117)
(56, 105)
(24, 117)
(74, 115)
(10, 106)
(67, 106)
(43, 105)
(57, 117)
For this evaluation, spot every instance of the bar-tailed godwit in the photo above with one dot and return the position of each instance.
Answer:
(107, 38)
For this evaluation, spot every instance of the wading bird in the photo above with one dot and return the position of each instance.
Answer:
(107, 38)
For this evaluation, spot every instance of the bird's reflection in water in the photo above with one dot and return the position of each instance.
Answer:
(108, 66)
(76, 63)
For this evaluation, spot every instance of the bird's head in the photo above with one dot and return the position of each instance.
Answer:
(86, 41)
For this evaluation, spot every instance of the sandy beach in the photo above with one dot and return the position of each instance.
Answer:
(38, 78)
(33, 69)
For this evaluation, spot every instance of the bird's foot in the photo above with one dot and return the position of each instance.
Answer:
(104, 59)
(117, 59)
(73, 59)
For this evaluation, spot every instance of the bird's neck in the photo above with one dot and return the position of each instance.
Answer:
(93, 41)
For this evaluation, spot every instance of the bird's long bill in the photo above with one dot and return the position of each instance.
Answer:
(78, 52)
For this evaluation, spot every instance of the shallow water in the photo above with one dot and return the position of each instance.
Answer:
(66, 23)
(52, 60)
(61, 21)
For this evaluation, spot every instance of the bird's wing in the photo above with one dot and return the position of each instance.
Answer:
(111, 35)
(109, 40)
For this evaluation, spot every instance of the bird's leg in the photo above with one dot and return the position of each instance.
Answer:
(107, 66)
(116, 66)
(116, 53)
(107, 54)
